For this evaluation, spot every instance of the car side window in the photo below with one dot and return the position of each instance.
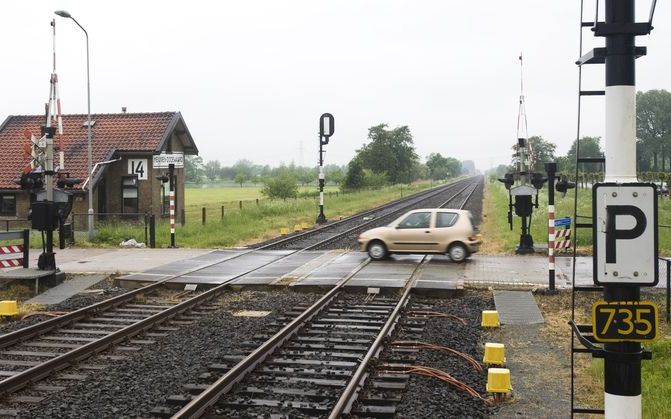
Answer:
(416, 220)
(445, 219)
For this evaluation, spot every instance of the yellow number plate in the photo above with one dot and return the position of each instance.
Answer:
(625, 321)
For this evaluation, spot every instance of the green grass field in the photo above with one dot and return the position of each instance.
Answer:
(253, 223)
(500, 239)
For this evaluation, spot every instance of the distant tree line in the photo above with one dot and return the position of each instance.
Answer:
(653, 145)
(387, 157)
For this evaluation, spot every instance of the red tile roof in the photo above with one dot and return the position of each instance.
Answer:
(111, 133)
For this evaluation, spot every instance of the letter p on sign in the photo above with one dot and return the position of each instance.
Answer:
(625, 234)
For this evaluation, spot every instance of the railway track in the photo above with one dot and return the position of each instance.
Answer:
(343, 233)
(33, 353)
(316, 363)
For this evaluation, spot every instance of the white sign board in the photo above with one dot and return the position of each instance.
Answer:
(162, 161)
(138, 167)
(625, 234)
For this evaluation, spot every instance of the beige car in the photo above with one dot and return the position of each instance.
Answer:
(432, 230)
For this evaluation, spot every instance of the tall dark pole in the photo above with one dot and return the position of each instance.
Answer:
(622, 373)
(326, 130)
(551, 169)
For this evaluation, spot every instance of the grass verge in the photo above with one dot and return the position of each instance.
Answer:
(499, 238)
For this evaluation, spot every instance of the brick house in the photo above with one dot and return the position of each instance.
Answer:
(124, 181)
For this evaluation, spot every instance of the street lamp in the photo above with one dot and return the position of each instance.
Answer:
(64, 14)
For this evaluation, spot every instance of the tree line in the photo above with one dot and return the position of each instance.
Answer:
(653, 144)
(387, 157)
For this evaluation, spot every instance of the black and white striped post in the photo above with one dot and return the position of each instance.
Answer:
(326, 130)
(551, 169)
(622, 367)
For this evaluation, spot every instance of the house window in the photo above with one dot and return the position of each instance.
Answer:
(129, 195)
(8, 204)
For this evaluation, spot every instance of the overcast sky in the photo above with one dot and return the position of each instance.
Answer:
(252, 77)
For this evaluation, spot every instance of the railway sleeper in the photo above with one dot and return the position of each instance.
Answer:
(307, 407)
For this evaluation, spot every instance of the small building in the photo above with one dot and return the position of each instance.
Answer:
(124, 180)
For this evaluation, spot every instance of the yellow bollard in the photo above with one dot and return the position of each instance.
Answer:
(490, 318)
(297, 227)
(284, 230)
(498, 380)
(305, 226)
(8, 308)
(494, 354)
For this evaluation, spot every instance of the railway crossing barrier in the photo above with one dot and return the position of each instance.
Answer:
(15, 255)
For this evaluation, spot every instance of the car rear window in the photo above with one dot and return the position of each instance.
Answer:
(445, 219)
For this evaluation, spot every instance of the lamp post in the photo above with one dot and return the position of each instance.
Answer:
(64, 14)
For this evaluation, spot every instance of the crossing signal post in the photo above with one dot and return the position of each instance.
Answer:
(562, 186)
(326, 130)
(624, 219)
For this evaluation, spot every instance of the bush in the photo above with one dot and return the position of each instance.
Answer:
(284, 186)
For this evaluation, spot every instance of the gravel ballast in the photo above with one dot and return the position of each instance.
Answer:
(133, 386)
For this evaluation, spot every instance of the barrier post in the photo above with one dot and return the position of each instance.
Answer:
(152, 231)
(204, 215)
(26, 252)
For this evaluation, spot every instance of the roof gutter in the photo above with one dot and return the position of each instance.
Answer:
(94, 169)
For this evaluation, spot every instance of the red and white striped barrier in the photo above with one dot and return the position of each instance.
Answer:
(563, 239)
(11, 256)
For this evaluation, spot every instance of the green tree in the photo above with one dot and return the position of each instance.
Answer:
(391, 152)
(354, 179)
(334, 174)
(589, 147)
(240, 178)
(455, 167)
(653, 128)
(193, 169)
(437, 166)
(212, 169)
(281, 187)
(543, 150)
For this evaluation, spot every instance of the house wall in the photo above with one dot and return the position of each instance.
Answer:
(22, 206)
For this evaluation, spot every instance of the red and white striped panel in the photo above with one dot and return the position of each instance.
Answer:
(563, 244)
(563, 234)
(11, 256)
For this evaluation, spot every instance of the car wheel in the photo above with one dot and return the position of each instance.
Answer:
(377, 250)
(457, 252)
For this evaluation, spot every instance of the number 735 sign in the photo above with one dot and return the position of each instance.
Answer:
(624, 321)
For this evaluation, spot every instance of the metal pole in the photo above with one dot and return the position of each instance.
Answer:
(668, 289)
(321, 218)
(88, 134)
(551, 169)
(171, 171)
(622, 374)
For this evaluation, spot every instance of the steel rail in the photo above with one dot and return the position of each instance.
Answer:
(57, 322)
(418, 196)
(199, 404)
(42, 370)
(390, 215)
(344, 403)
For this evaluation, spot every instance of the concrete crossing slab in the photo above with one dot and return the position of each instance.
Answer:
(66, 289)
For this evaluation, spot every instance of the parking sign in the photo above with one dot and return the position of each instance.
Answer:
(625, 233)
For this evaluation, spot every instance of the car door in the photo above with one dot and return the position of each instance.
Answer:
(444, 232)
(413, 234)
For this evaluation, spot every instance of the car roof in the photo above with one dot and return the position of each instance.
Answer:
(439, 210)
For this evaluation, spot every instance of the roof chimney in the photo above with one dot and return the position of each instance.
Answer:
(123, 109)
